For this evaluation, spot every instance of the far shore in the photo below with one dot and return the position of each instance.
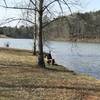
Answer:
(91, 40)
(4, 36)
(84, 40)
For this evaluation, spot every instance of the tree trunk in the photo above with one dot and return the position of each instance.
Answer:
(40, 42)
(35, 34)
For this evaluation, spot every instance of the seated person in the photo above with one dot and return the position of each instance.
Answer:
(49, 59)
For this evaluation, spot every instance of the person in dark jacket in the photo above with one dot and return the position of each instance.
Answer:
(49, 59)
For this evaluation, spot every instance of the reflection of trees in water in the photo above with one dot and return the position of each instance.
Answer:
(75, 49)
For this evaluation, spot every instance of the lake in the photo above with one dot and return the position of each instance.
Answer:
(80, 57)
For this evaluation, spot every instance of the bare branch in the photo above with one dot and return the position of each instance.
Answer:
(34, 4)
(45, 7)
(5, 3)
(55, 19)
(16, 7)
(25, 20)
(60, 6)
(49, 11)
(9, 20)
(28, 10)
(18, 22)
(67, 6)
(49, 22)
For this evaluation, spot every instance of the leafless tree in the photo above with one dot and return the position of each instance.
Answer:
(44, 7)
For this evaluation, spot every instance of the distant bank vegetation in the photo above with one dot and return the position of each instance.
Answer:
(17, 32)
(78, 26)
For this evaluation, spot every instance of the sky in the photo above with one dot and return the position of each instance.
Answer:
(91, 5)
(87, 6)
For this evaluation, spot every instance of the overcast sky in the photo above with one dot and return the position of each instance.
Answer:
(92, 5)
(87, 5)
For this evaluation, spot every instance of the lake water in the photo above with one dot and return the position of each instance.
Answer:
(80, 57)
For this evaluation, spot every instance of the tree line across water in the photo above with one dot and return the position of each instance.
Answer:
(78, 25)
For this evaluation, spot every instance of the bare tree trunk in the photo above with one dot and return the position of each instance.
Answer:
(40, 42)
(35, 34)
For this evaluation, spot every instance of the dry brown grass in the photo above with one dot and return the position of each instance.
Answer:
(22, 79)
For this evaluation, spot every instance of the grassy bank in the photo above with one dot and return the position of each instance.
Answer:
(22, 79)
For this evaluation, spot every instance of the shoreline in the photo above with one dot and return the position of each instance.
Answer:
(78, 40)
(62, 68)
(85, 40)
(30, 51)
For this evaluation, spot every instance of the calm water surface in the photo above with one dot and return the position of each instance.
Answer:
(80, 57)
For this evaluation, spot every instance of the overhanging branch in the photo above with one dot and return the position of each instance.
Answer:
(5, 3)
(34, 4)
(60, 6)
(45, 7)
(17, 7)
(67, 6)
(9, 20)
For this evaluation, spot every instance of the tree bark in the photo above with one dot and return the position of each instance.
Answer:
(35, 34)
(40, 42)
